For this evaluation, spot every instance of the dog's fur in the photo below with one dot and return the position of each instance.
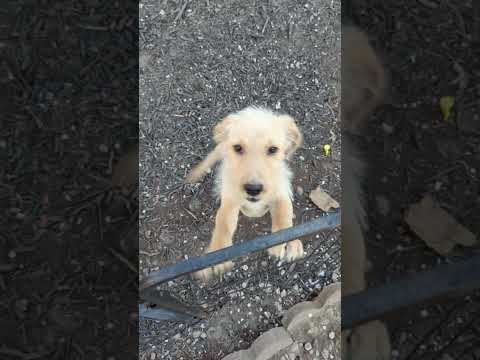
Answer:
(255, 130)
(363, 89)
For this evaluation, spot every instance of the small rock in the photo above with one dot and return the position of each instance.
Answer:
(331, 335)
(308, 346)
(196, 334)
(300, 191)
(336, 276)
(195, 205)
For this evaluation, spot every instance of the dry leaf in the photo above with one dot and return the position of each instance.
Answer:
(323, 200)
(436, 227)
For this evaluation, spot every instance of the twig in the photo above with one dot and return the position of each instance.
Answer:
(191, 214)
(19, 354)
(123, 260)
(182, 10)
(146, 253)
(265, 25)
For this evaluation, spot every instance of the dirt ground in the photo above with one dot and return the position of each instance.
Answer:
(66, 116)
(198, 62)
(431, 50)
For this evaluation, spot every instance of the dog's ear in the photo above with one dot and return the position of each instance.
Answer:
(221, 130)
(294, 136)
(363, 80)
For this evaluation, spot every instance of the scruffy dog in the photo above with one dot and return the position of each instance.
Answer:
(253, 146)
(363, 88)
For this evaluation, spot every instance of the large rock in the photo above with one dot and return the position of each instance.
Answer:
(330, 294)
(369, 341)
(311, 330)
(266, 347)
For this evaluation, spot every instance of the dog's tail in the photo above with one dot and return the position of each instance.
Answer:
(199, 171)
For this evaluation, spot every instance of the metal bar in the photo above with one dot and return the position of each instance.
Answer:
(442, 281)
(163, 299)
(244, 248)
(161, 314)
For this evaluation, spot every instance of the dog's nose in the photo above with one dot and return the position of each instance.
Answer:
(253, 189)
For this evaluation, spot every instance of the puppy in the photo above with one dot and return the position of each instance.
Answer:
(253, 146)
(363, 88)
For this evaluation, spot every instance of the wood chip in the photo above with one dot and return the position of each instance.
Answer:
(436, 227)
(323, 200)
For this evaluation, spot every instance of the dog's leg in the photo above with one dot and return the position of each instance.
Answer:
(282, 215)
(225, 226)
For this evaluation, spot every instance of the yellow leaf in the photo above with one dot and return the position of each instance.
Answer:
(446, 104)
(326, 149)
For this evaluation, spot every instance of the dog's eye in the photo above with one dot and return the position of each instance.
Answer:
(238, 149)
(272, 150)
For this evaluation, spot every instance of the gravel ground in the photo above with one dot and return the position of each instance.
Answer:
(68, 71)
(431, 50)
(198, 62)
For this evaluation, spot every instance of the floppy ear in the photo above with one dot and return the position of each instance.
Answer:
(294, 136)
(221, 130)
(364, 80)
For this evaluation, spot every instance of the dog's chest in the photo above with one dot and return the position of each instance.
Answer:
(254, 210)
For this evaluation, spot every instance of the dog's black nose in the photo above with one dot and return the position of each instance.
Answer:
(253, 189)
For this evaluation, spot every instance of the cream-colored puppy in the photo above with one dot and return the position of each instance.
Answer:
(253, 146)
(363, 88)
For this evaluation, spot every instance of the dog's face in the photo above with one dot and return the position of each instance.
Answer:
(256, 143)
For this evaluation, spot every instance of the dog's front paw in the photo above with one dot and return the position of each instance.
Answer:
(294, 250)
(277, 251)
(217, 270)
